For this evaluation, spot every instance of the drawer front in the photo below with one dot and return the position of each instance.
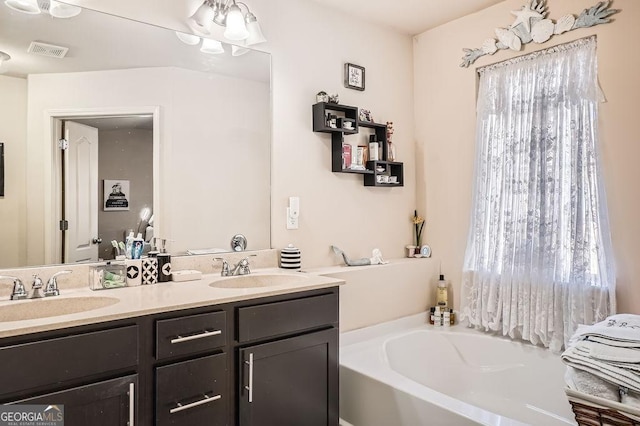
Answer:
(54, 361)
(190, 334)
(193, 392)
(289, 316)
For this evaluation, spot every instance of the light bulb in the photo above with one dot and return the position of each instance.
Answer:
(61, 10)
(189, 39)
(213, 47)
(25, 6)
(202, 19)
(255, 33)
(238, 50)
(236, 28)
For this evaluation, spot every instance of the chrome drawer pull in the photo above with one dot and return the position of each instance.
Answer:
(181, 339)
(206, 400)
(132, 402)
(250, 387)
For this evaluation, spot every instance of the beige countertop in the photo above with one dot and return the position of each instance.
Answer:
(143, 300)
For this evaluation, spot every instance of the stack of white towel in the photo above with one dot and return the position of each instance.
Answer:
(604, 359)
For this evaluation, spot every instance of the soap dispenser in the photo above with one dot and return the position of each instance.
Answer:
(441, 292)
(164, 262)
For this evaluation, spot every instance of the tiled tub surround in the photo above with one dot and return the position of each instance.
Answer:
(406, 372)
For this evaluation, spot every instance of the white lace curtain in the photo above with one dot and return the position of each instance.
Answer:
(539, 259)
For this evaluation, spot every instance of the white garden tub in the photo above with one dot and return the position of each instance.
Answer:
(408, 373)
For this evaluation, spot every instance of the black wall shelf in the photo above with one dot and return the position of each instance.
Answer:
(375, 170)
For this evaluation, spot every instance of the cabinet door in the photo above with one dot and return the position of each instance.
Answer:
(108, 403)
(290, 382)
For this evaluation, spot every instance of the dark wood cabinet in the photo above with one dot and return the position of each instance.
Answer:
(107, 403)
(288, 362)
(187, 367)
(290, 382)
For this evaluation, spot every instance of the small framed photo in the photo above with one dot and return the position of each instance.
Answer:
(116, 195)
(353, 77)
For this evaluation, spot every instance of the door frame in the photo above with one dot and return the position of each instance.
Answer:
(52, 212)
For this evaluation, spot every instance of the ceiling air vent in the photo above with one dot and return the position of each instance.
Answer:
(45, 49)
(44, 5)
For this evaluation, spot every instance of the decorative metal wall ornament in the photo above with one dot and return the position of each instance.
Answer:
(531, 25)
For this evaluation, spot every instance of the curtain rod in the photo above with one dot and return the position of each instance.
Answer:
(529, 56)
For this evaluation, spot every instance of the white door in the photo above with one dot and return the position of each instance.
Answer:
(81, 193)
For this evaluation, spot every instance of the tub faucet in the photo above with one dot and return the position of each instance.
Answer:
(19, 291)
(51, 288)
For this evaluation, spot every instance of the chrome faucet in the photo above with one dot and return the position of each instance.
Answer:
(241, 268)
(51, 288)
(19, 291)
(225, 272)
(35, 287)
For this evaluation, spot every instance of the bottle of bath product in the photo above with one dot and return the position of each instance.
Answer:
(446, 318)
(373, 148)
(441, 294)
(137, 247)
(129, 245)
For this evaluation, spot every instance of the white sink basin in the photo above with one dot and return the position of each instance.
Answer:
(256, 280)
(52, 307)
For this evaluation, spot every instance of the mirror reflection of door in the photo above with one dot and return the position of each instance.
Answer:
(99, 149)
(80, 193)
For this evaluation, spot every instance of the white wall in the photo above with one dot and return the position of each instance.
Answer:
(310, 44)
(445, 116)
(13, 110)
(196, 154)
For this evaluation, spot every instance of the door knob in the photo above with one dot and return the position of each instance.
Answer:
(96, 240)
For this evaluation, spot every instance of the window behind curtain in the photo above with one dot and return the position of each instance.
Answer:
(538, 260)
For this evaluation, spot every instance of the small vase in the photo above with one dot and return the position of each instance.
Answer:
(410, 251)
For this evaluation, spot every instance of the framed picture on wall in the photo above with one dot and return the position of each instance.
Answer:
(1, 169)
(116, 195)
(353, 76)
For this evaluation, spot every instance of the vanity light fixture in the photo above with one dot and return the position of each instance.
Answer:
(211, 46)
(52, 7)
(25, 6)
(62, 10)
(4, 57)
(228, 14)
(238, 50)
(189, 39)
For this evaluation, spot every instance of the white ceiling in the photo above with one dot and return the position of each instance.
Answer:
(409, 16)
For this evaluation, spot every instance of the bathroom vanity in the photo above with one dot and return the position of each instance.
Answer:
(254, 360)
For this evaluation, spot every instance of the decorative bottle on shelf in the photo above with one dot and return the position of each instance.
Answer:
(373, 148)
(391, 148)
(441, 294)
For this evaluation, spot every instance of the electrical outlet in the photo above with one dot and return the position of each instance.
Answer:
(292, 222)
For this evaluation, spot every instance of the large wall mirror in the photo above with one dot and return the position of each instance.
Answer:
(111, 126)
